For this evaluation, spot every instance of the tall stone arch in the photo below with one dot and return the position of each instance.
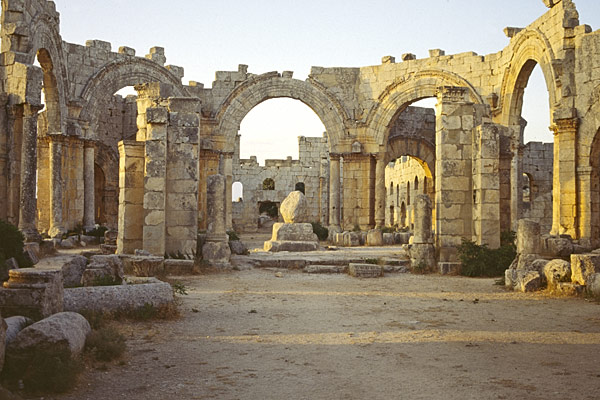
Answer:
(404, 91)
(263, 87)
(117, 75)
(530, 49)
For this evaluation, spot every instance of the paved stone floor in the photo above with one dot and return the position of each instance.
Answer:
(260, 334)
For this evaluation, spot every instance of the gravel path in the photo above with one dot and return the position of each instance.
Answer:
(252, 335)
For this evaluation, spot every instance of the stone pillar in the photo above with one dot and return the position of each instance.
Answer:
(89, 205)
(56, 186)
(380, 192)
(334, 193)
(453, 186)
(422, 251)
(528, 237)
(27, 204)
(564, 200)
(486, 185)
(423, 223)
(584, 175)
(516, 185)
(131, 196)
(155, 180)
(14, 115)
(216, 248)
(3, 162)
(228, 172)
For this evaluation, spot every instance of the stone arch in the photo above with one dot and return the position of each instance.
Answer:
(118, 74)
(530, 49)
(420, 149)
(400, 94)
(47, 47)
(257, 89)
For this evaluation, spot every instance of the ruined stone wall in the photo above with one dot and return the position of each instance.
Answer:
(311, 169)
(405, 178)
(537, 164)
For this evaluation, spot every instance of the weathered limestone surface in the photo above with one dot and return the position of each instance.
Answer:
(32, 293)
(14, 325)
(72, 271)
(583, 267)
(216, 248)
(365, 270)
(119, 298)
(556, 271)
(62, 331)
(294, 208)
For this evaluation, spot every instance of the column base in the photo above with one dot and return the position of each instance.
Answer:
(31, 235)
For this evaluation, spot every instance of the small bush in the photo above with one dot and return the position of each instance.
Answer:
(49, 371)
(98, 231)
(179, 288)
(105, 344)
(388, 229)
(11, 244)
(105, 280)
(321, 232)
(149, 311)
(96, 319)
(233, 236)
(420, 268)
(375, 261)
(479, 260)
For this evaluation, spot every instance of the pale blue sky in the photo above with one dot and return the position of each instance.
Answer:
(207, 36)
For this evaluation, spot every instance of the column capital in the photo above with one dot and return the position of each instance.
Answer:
(31, 110)
(453, 94)
(565, 125)
(89, 144)
(56, 138)
(334, 156)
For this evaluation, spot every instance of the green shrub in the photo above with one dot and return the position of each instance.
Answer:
(374, 261)
(105, 280)
(479, 260)
(105, 344)
(388, 229)
(11, 244)
(98, 231)
(233, 235)
(321, 232)
(51, 370)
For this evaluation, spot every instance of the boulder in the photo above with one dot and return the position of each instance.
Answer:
(293, 208)
(238, 247)
(557, 246)
(528, 281)
(556, 271)
(103, 268)
(72, 271)
(14, 325)
(374, 237)
(583, 266)
(64, 330)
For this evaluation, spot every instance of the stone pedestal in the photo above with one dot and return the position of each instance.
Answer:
(36, 294)
(292, 237)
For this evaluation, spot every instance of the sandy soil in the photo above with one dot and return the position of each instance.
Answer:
(252, 335)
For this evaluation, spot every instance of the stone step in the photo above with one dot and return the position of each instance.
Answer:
(325, 269)
(365, 270)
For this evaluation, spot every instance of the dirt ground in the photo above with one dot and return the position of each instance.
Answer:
(253, 335)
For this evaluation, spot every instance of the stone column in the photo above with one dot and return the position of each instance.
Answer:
(27, 204)
(3, 159)
(89, 204)
(14, 114)
(216, 249)
(334, 193)
(379, 192)
(516, 184)
(422, 251)
(453, 186)
(228, 172)
(486, 185)
(56, 186)
(564, 200)
(584, 174)
(131, 196)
